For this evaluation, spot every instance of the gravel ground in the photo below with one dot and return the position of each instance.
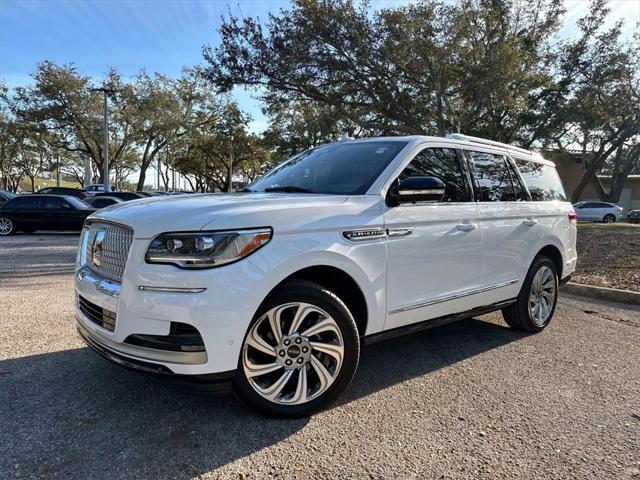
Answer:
(609, 255)
(467, 400)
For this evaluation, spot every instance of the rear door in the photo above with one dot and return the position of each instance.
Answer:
(434, 248)
(509, 226)
(27, 212)
(587, 211)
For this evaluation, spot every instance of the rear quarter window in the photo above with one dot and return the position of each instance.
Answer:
(542, 181)
(25, 203)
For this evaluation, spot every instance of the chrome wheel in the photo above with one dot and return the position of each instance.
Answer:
(543, 296)
(6, 226)
(293, 353)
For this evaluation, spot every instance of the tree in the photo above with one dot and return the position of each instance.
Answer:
(62, 102)
(297, 124)
(600, 111)
(476, 66)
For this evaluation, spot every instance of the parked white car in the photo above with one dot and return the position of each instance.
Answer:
(95, 188)
(277, 288)
(598, 212)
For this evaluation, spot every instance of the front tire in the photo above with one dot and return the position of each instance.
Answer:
(608, 218)
(300, 352)
(537, 299)
(7, 226)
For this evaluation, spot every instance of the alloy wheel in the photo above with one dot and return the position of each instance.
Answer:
(293, 353)
(6, 226)
(542, 296)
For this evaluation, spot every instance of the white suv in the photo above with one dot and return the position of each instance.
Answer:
(277, 287)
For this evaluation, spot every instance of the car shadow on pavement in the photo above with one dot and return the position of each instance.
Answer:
(72, 414)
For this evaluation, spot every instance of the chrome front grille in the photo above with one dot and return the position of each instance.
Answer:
(107, 249)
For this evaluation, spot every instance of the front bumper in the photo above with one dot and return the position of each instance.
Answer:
(218, 303)
(213, 383)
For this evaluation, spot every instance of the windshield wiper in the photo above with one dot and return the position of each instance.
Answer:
(288, 189)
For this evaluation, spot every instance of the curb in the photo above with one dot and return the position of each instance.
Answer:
(602, 293)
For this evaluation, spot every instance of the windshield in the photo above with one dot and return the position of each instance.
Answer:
(341, 168)
(76, 202)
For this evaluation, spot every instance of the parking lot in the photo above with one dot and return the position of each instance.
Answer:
(467, 400)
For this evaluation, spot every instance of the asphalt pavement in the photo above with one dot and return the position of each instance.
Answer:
(472, 399)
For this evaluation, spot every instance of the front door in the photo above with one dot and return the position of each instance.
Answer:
(434, 249)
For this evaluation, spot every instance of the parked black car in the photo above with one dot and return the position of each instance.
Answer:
(101, 202)
(126, 196)
(5, 197)
(75, 192)
(633, 216)
(28, 213)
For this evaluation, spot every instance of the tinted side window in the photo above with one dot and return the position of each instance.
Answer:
(441, 163)
(54, 203)
(26, 203)
(521, 193)
(493, 177)
(542, 181)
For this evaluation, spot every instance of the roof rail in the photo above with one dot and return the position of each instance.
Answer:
(468, 138)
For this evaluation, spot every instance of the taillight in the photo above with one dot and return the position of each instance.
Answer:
(573, 217)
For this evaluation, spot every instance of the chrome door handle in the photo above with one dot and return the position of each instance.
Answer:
(466, 227)
(399, 232)
(530, 222)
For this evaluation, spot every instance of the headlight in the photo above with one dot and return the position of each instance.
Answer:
(206, 249)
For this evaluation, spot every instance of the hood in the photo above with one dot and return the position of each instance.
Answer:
(216, 211)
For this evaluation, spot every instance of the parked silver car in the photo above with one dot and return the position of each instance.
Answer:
(598, 212)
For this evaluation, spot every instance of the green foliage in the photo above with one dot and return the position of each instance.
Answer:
(491, 68)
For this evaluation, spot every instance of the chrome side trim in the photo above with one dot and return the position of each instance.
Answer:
(455, 296)
(147, 288)
(103, 285)
(364, 234)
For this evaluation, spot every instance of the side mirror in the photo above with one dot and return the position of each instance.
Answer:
(416, 189)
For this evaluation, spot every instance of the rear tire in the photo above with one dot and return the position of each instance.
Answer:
(300, 352)
(537, 299)
(7, 226)
(609, 218)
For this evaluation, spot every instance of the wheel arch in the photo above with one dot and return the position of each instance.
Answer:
(340, 283)
(553, 253)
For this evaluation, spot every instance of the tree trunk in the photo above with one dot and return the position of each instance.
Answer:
(620, 175)
(230, 177)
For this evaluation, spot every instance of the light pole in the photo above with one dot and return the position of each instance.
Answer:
(105, 139)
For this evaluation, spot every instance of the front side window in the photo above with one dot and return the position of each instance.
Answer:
(54, 203)
(347, 168)
(441, 163)
(493, 177)
(542, 181)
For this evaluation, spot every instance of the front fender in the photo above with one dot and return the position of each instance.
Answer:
(364, 262)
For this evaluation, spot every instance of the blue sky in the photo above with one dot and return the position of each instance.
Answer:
(157, 35)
